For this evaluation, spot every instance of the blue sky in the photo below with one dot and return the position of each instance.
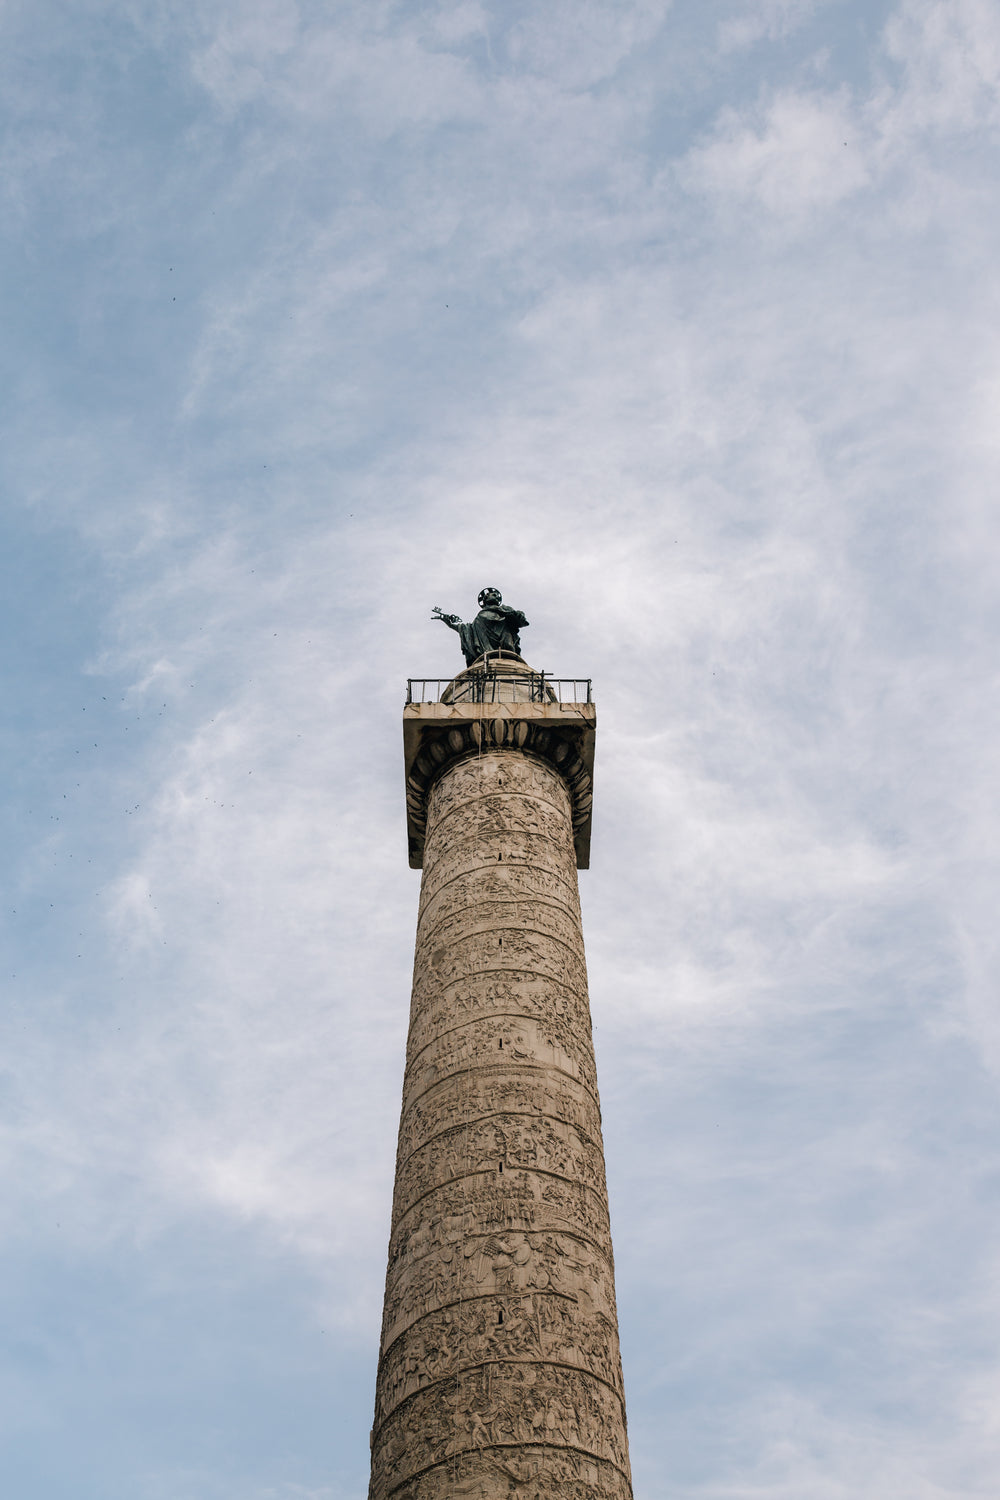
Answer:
(679, 323)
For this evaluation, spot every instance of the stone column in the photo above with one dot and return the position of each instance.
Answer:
(499, 1373)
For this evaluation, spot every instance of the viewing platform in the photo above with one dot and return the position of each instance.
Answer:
(499, 702)
(499, 678)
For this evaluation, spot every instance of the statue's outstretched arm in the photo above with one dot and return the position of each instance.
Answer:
(452, 621)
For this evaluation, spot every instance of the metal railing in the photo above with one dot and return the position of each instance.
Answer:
(499, 687)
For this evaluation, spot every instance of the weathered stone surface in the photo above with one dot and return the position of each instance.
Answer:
(526, 1473)
(478, 1095)
(499, 1374)
(510, 992)
(479, 1043)
(478, 853)
(511, 1263)
(504, 1406)
(537, 1326)
(438, 735)
(532, 1142)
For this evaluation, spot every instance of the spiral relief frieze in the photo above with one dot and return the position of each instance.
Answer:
(499, 1375)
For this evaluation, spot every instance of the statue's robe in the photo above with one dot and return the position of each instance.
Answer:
(493, 629)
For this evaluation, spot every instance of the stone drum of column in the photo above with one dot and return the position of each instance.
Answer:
(499, 1374)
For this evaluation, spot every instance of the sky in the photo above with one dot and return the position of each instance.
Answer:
(678, 323)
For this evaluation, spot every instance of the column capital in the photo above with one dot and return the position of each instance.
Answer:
(437, 734)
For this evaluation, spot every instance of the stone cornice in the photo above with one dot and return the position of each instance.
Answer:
(435, 735)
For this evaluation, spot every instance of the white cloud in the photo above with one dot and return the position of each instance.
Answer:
(800, 152)
(459, 20)
(577, 45)
(764, 19)
(248, 46)
(949, 53)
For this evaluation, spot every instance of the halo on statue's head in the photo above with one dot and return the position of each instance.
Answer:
(483, 593)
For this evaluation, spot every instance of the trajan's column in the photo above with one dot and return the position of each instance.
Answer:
(499, 1375)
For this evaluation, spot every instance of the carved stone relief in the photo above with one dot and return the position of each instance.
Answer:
(514, 1325)
(500, 880)
(527, 1473)
(512, 1200)
(488, 1091)
(515, 992)
(477, 1043)
(480, 851)
(501, 1406)
(446, 1261)
(499, 919)
(501, 1143)
(500, 1374)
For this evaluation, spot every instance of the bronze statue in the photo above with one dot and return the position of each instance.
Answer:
(495, 628)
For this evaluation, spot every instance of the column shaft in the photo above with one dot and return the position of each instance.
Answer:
(499, 1373)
